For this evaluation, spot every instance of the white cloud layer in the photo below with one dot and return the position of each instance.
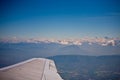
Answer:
(101, 41)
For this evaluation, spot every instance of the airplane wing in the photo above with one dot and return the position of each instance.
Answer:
(33, 69)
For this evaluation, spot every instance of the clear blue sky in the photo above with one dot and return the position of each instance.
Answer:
(59, 18)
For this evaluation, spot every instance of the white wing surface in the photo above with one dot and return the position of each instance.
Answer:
(33, 69)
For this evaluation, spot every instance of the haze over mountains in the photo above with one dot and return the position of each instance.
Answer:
(45, 48)
(13, 51)
(17, 51)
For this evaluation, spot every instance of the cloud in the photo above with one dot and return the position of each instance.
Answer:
(105, 41)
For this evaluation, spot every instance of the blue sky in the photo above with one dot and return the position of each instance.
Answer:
(59, 19)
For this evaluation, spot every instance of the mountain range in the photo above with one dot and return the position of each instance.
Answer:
(16, 52)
